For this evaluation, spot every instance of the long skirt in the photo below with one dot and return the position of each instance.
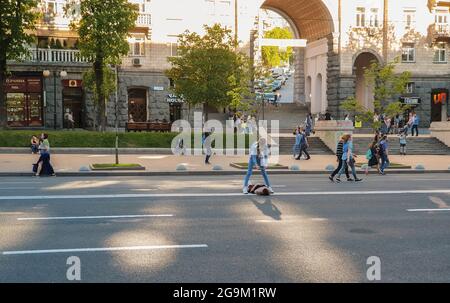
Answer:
(46, 167)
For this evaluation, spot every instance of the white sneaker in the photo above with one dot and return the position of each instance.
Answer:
(271, 190)
(245, 190)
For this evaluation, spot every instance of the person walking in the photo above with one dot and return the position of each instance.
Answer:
(308, 124)
(384, 154)
(207, 145)
(410, 121)
(415, 125)
(402, 141)
(297, 145)
(259, 154)
(339, 152)
(349, 158)
(43, 165)
(372, 157)
(303, 145)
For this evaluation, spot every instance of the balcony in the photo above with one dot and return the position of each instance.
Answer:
(440, 32)
(144, 20)
(49, 55)
(438, 3)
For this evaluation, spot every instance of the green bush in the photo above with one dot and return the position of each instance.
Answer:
(84, 139)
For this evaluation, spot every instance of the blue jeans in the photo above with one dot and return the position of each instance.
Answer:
(251, 162)
(384, 163)
(344, 168)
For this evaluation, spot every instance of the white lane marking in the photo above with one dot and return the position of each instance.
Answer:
(94, 217)
(428, 210)
(199, 195)
(101, 249)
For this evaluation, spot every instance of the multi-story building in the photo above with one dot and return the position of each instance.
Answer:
(343, 37)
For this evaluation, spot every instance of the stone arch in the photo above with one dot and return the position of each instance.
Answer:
(312, 19)
(363, 90)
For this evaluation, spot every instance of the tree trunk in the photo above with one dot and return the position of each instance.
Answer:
(98, 70)
(3, 118)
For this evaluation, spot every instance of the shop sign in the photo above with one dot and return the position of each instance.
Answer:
(172, 98)
(411, 100)
(72, 83)
(158, 88)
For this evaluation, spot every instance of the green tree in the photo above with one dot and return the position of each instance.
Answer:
(387, 84)
(17, 20)
(103, 27)
(208, 70)
(272, 55)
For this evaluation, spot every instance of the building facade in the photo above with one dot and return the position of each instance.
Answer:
(343, 37)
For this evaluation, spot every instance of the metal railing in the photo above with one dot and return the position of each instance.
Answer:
(144, 19)
(55, 55)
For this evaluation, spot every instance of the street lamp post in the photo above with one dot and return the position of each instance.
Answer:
(62, 74)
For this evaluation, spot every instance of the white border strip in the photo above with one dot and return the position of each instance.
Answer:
(128, 248)
(198, 195)
(94, 217)
(429, 210)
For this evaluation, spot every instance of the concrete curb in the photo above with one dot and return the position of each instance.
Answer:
(207, 173)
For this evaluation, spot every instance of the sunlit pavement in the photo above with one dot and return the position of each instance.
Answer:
(201, 229)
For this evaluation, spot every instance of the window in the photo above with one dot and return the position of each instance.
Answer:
(410, 17)
(440, 54)
(410, 87)
(408, 52)
(137, 47)
(373, 21)
(360, 17)
(211, 6)
(441, 20)
(224, 8)
(51, 8)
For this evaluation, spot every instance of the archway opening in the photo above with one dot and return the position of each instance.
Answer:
(363, 89)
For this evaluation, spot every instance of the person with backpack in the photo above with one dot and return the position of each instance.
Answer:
(339, 151)
(349, 158)
(384, 154)
(372, 157)
(259, 154)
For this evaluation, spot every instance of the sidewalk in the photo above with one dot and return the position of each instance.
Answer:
(71, 163)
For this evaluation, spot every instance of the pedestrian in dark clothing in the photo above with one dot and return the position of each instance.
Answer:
(46, 168)
(303, 146)
(339, 151)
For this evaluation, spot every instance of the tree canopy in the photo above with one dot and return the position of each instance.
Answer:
(387, 84)
(103, 27)
(208, 70)
(272, 55)
(17, 20)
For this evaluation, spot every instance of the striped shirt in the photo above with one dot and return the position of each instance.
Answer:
(340, 149)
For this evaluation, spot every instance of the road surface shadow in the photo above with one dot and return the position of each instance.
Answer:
(268, 208)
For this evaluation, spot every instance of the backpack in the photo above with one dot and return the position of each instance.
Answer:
(369, 154)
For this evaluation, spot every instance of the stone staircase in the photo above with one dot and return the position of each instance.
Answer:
(415, 146)
(316, 146)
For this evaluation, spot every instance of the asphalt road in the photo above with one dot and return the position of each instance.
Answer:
(200, 229)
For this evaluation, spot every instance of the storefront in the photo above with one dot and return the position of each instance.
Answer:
(175, 107)
(439, 100)
(24, 101)
(73, 101)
